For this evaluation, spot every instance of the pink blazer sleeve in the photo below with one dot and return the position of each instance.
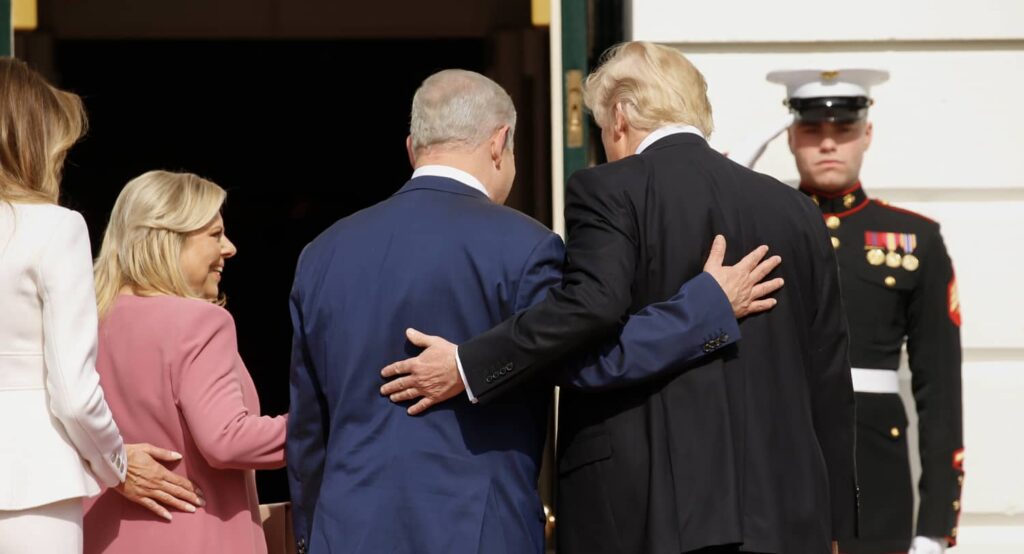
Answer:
(210, 396)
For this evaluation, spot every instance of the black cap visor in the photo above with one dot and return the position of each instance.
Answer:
(833, 109)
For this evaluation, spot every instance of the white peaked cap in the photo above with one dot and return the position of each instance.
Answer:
(820, 83)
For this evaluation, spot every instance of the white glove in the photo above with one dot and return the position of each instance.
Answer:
(747, 152)
(927, 545)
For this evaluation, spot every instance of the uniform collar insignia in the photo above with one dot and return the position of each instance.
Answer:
(839, 202)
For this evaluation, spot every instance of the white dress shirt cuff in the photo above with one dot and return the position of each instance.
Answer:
(120, 460)
(462, 373)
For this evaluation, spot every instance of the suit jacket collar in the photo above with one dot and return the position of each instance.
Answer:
(442, 184)
(674, 140)
(664, 131)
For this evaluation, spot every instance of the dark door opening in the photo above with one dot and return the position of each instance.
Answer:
(300, 133)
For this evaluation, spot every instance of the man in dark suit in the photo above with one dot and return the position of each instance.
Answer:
(443, 255)
(752, 449)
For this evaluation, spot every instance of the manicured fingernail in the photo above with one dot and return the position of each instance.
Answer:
(176, 455)
(190, 508)
(167, 516)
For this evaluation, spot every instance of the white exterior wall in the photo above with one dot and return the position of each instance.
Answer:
(949, 143)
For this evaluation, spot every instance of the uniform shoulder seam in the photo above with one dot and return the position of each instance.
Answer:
(904, 210)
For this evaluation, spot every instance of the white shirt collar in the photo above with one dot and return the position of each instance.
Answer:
(451, 173)
(665, 131)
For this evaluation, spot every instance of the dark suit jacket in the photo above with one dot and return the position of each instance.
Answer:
(754, 446)
(440, 257)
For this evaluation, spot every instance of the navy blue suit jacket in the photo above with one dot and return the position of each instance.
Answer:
(440, 257)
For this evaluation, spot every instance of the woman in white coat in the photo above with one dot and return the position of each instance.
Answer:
(58, 441)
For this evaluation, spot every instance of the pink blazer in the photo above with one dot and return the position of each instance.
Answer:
(173, 377)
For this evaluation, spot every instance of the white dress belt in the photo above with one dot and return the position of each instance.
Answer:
(875, 380)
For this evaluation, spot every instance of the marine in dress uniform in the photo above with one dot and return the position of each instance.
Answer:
(898, 287)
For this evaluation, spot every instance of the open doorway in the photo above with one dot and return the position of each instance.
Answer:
(302, 128)
(299, 133)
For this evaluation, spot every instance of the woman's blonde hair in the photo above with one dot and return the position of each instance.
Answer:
(152, 217)
(38, 125)
(654, 85)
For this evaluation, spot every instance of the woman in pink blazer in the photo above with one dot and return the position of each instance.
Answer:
(58, 440)
(168, 360)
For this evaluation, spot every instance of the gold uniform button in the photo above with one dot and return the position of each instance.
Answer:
(956, 505)
(895, 432)
(848, 200)
(832, 222)
(835, 242)
(890, 281)
(960, 480)
(953, 533)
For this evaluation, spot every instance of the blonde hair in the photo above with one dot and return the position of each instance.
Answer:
(455, 107)
(152, 217)
(654, 85)
(38, 125)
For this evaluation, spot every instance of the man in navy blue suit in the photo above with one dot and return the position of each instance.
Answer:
(443, 255)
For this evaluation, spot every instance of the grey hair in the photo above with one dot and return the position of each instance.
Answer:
(459, 108)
